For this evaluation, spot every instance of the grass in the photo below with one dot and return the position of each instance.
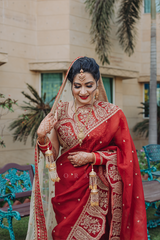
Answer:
(20, 228)
(154, 232)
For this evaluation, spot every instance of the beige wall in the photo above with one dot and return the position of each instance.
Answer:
(18, 39)
(46, 35)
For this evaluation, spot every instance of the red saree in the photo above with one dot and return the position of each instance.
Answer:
(121, 213)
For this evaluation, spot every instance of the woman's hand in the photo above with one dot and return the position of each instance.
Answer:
(80, 158)
(46, 125)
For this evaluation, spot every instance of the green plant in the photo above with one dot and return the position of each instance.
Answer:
(5, 104)
(142, 160)
(142, 128)
(27, 123)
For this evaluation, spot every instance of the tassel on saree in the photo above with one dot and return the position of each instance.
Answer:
(93, 187)
(50, 164)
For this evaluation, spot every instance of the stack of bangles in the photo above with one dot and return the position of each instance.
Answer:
(45, 146)
(98, 159)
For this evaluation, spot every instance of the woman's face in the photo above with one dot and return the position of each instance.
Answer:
(84, 90)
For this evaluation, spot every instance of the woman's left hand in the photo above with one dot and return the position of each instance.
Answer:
(78, 159)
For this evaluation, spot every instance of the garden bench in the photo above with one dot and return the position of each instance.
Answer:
(15, 182)
(151, 196)
(152, 186)
(152, 152)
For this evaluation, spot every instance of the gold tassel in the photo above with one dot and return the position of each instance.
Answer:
(93, 187)
(94, 197)
(48, 157)
(53, 173)
(50, 164)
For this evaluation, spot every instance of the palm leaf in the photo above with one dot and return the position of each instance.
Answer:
(27, 124)
(142, 128)
(101, 13)
(51, 99)
(34, 93)
(129, 13)
(30, 98)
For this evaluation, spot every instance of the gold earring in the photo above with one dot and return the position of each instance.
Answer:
(97, 94)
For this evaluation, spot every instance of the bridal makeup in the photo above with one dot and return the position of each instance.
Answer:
(84, 91)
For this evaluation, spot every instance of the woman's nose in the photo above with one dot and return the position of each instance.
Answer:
(83, 90)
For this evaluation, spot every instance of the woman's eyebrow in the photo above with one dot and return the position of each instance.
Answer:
(89, 82)
(77, 83)
(85, 83)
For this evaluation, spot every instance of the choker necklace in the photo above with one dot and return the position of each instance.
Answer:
(81, 134)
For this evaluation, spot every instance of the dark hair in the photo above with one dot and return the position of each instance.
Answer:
(88, 65)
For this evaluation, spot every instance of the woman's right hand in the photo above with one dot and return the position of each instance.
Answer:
(46, 125)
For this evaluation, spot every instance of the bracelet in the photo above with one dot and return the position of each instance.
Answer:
(45, 147)
(98, 159)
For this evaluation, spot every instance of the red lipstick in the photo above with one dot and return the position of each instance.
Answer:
(84, 98)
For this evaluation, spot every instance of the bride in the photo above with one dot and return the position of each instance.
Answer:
(95, 140)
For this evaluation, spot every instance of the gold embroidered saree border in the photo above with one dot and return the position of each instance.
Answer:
(79, 231)
(89, 213)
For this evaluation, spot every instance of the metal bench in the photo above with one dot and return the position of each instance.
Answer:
(151, 195)
(15, 182)
(152, 152)
(152, 186)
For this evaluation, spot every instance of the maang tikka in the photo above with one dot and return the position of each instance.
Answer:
(81, 75)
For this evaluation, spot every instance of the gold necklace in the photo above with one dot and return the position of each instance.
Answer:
(81, 134)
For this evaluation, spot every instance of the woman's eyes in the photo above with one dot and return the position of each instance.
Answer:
(77, 86)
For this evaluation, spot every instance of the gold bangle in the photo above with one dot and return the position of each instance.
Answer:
(94, 158)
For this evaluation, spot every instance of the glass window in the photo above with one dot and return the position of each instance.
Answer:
(146, 94)
(50, 84)
(147, 6)
(108, 85)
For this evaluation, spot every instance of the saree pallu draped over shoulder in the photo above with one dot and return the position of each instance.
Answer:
(121, 212)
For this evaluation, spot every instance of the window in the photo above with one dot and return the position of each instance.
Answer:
(147, 6)
(50, 84)
(108, 85)
(146, 95)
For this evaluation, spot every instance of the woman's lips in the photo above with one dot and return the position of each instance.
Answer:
(83, 97)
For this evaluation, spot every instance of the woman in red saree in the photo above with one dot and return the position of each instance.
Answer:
(104, 141)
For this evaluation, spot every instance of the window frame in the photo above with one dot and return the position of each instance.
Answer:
(113, 89)
(40, 78)
(144, 96)
(157, 10)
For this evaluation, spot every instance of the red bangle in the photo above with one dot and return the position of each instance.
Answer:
(99, 159)
(45, 147)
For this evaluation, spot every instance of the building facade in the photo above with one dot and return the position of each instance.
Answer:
(38, 41)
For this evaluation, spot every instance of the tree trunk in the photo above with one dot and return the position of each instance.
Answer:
(153, 79)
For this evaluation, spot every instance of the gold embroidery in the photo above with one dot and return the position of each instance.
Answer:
(102, 111)
(115, 181)
(113, 173)
(91, 222)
